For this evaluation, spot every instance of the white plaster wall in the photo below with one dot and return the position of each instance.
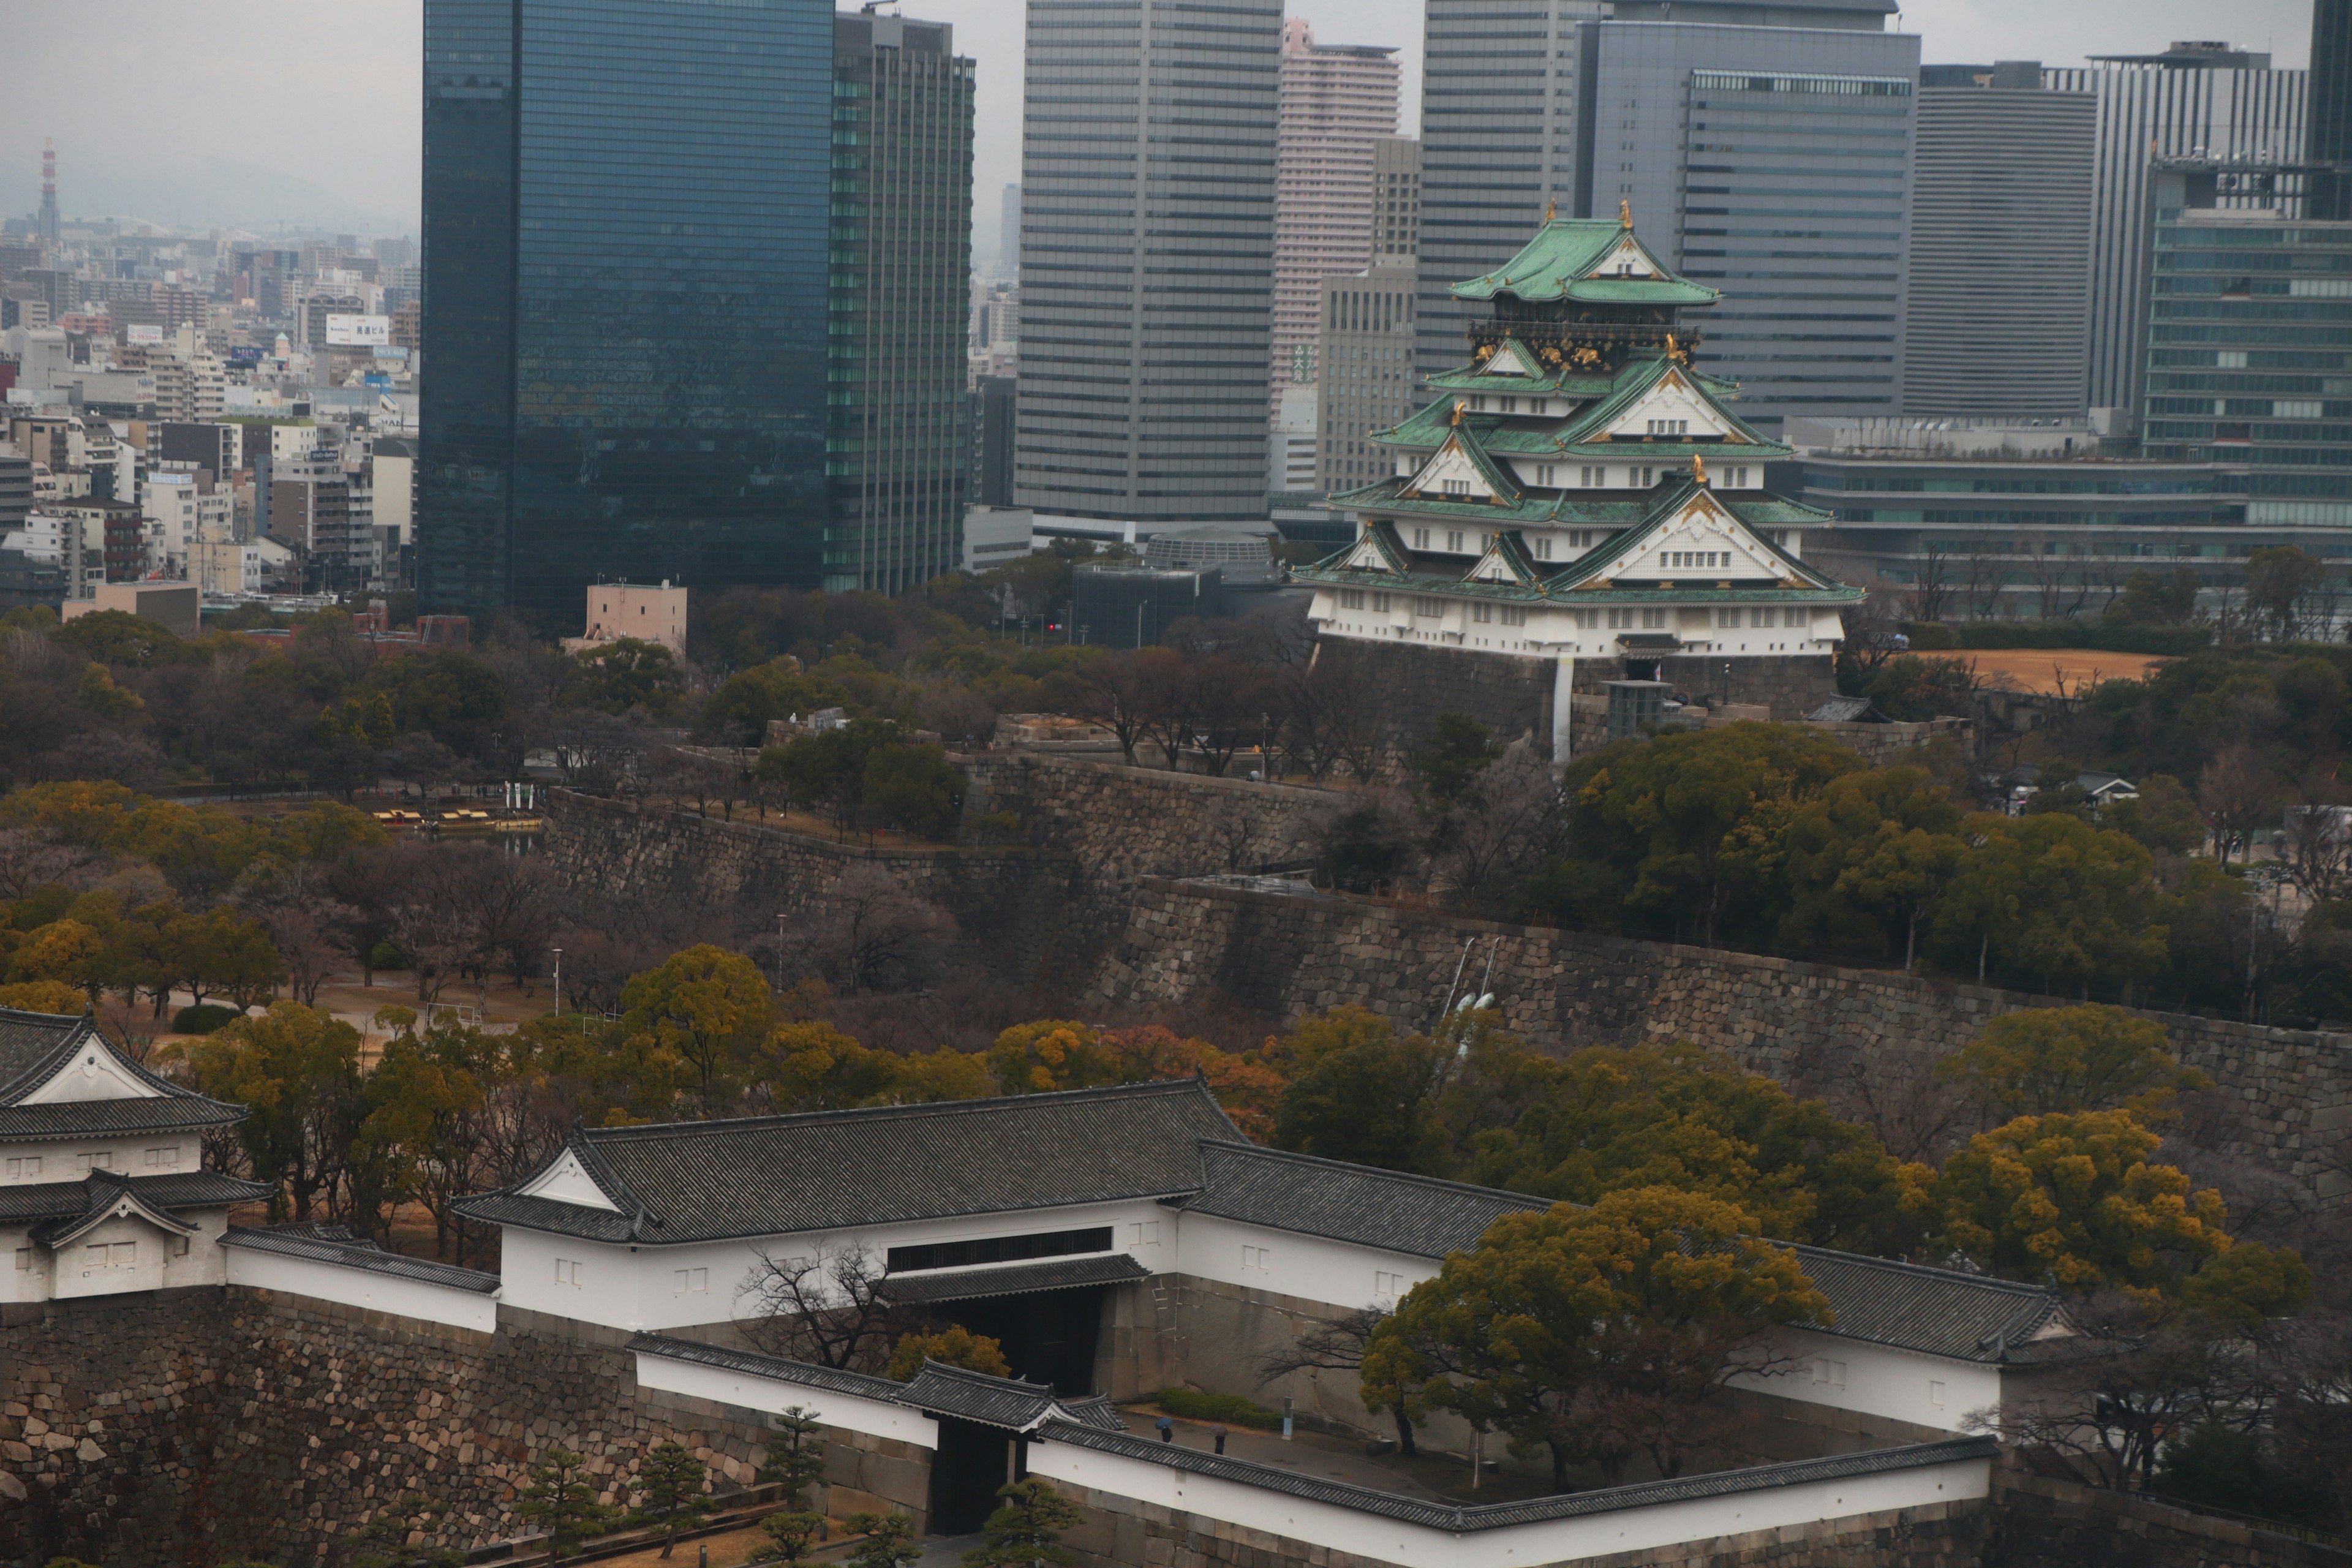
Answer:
(79, 1271)
(93, 1074)
(361, 1288)
(1419, 1546)
(636, 1286)
(32, 1280)
(847, 1410)
(125, 1154)
(1879, 1380)
(203, 1262)
(1340, 1273)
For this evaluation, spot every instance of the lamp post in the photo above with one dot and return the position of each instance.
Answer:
(779, 953)
(559, 980)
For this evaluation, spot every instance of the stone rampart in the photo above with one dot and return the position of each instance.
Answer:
(1011, 902)
(2286, 1095)
(204, 1425)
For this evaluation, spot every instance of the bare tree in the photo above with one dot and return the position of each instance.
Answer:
(305, 922)
(2235, 795)
(2317, 843)
(1510, 822)
(875, 935)
(826, 1308)
(30, 860)
(1335, 1345)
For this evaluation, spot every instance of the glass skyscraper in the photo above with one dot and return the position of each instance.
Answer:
(1146, 258)
(897, 444)
(626, 210)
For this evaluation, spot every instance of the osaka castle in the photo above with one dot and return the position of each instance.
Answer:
(1578, 505)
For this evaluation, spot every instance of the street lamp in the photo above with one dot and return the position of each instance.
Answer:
(559, 980)
(779, 954)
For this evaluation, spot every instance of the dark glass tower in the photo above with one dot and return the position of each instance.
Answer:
(624, 335)
(2330, 144)
(896, 444)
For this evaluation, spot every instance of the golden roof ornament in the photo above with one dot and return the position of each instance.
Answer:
(1459, 405)
(1675, 351)
(1698, 467)
(1624, 214)
(1551, 209)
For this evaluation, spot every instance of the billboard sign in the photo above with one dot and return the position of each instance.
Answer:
(143, 332)
(358, 331)
(245, 354)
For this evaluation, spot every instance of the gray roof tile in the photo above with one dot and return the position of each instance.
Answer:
(1965, 1317)
(775, 1175)
(865, 1384)
(35, 1046)
(1534, 1511)
(1013, 1279)
(1012, 1403)
(320, 1244)
(1417, 1216)
(195, 1189)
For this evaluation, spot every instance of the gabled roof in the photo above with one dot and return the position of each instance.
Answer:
(1419, 1216)
(1012, 1403)
(191, 1190)
(1567, 259)
(1377, 549)
(1505, 488)
(1637, 380)
(35, 1047)
(1938, 1312)
(778, 1176)
(1506, 553)
(335, 1244)
(1584, 431)
(109, 1196)
(1667, 504)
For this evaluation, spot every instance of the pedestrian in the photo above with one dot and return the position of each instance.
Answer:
(1218, 1431)
(1167, 1431)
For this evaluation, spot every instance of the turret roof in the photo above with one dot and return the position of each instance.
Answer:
(1577, 259)
(1585, 431)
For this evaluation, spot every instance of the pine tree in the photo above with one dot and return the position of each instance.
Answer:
(673, 1491)
(795, 1453)
(889, 1540)
(1027, 1531)
(563, 1501)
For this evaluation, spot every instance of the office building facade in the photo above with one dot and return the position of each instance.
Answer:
(2250, 356)
(1969, 518)
(1998, 309)
(625, 246)
(2327, 145)
(1146, 258)
(896, 450)
(1338, 101)
(2194, 99)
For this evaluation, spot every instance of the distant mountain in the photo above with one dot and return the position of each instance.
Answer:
(216, 193)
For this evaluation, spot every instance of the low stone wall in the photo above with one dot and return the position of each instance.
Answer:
(2042, 1523)
(1011, 902)
(2286, 1095)
(209, 1423)
(1792, 684)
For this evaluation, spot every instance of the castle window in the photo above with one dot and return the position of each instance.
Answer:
(1383, 603)
(1763, 618)
(1800, 618)
(1621, 619)
(1727, 615)
(1654, 618)
(1510, 405)
(1421, 539)
(1545, 473)
(1427, 609)
(1543, 548)
(1588, 619)
(1351, 598)
(1580, 540)
(1484, 613)
(1641, 479)
(1458, 487)
(1738, 477)
(1478, 400)
(1587, 482)
(1454, 541)
(1515, 614)
(1669, 427)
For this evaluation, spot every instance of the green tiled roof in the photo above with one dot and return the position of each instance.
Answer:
(1566, 434)
(1552, 266)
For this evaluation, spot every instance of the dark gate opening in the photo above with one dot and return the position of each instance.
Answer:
(1048, 1337)
(970, 1462)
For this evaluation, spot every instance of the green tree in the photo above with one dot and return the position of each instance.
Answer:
(434, 691)
(673, 1491)
(1611, 1119)
(2052, 898)
(826, 772)
(2165, 816)
(101, 698)
(1672, 834)
(560, 1498)
(298, 1070)
(954, 1345)
(796, 1452)
(1867, 858)
(1372, 1101)
(219, 951)
(66, 951)
(708, 1005)
(912, 788)
(1457, 754)
(118, 637)
(793, 1536)
(1573, 1329)
(888, 1540)
(2076, 1200)
(2282, 583)
(625, 674)
(1027, 1530)
(2089, 1057)
(740, 710)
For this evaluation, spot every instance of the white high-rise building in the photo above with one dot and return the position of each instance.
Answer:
(1337, 102)
(1147, 259)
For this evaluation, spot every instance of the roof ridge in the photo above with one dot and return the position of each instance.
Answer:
(1349, 1165)
(881, 1112)
(1897, 1265)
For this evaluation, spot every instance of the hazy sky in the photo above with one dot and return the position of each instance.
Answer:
(252, 113)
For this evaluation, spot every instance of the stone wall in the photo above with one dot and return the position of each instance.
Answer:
(1009, 903)
(200, 1425)
(1792, 684)
(2044, 1523)
(2284, 1097)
